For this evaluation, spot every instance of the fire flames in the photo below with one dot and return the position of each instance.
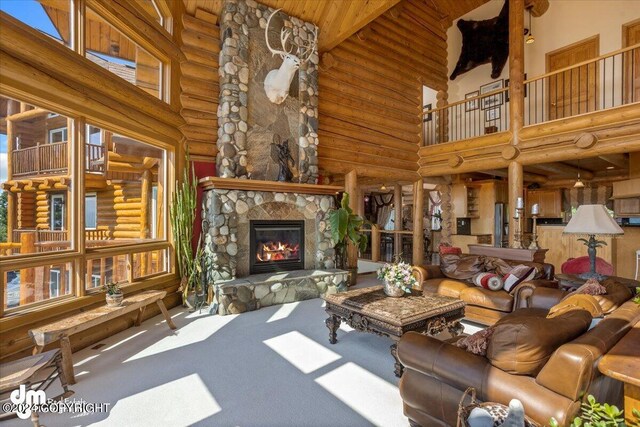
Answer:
(277, 251)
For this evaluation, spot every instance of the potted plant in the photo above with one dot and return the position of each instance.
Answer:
(345, 228)
(397, 278)
(189, 256)
(113, 294)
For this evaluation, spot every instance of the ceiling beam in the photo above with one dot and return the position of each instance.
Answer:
(618, 160)
(330, 37)
(564, 169)
(528, 177)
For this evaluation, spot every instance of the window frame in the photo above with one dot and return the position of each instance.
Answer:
(65, 134)
(75, 258)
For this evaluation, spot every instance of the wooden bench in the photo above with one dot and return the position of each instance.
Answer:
(63, 329)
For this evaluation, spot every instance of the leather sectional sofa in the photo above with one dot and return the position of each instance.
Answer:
(483, 305)
(438, 372)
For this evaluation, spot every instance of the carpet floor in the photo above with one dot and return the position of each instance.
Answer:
(270, 367)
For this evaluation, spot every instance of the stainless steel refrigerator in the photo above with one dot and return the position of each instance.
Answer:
(501, 226)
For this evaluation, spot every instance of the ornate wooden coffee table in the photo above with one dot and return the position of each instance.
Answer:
(370, 310)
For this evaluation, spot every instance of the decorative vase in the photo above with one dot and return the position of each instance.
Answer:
(114, 300)
(393, 291)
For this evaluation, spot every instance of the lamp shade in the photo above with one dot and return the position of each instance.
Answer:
(592, 219)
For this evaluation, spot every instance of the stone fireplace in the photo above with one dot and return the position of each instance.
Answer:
(267, 241)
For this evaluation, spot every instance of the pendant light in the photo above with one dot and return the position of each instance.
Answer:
(530, 39)
(579, 183)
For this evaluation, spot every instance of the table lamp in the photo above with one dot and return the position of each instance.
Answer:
(592, 221)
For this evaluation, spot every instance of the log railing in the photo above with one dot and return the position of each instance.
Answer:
(41, 159)
(608, 81)
(601, 83)
(469, 118)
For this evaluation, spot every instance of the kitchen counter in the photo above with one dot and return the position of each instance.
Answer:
(463, 241)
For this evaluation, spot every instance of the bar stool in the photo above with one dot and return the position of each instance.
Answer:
(637, 263)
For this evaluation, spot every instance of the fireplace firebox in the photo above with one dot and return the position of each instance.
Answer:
(276, 246)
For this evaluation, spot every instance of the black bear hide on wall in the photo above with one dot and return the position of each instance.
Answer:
(483, 42)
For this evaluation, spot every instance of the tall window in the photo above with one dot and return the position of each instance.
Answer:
(112, 50)
(90, 211)
(51, 18)
(57, 212)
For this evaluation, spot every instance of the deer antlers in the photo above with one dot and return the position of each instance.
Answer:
(304, 52)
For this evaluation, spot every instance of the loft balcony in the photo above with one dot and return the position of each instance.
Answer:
(565, 112)
(52, 159)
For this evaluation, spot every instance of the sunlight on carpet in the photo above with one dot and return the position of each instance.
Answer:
(367, 394)
(283, 312)
(302, 352)
(191, 402)
(189, 334)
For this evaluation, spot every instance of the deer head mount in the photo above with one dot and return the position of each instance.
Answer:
(277, 82)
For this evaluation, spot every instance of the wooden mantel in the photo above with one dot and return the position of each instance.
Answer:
(209, 183)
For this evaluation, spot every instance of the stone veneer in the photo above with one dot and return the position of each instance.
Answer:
(226, 222)
(247, 120)
(262, 290)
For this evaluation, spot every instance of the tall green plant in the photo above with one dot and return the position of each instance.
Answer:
(345, 228)
(183, 216)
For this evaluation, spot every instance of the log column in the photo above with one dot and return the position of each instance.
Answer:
(418, 222)
(27, 275)
(397, 206)
(516, 102)
(11, 197)
(351, 187)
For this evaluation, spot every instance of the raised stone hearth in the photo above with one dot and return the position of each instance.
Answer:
(262, 290)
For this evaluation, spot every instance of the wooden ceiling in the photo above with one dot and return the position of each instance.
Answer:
(603, 168)
(339, 19)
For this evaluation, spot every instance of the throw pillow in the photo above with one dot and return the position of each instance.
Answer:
(523, 341)
(576, 302)
(461, 267)
(520, 273)
(476, 343)
(490, 281)
(591, 287)
(447, 250)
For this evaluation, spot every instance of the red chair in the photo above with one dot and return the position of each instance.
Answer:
(581, 265)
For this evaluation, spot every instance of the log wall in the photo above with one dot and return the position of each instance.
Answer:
(199, 83)
(371, 93)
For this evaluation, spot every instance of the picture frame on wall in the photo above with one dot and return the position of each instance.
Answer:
(506, 84)
(428, 117)
(471, 105)
(491, 114)
(491, 101)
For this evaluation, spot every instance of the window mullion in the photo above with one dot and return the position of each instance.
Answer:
(78, 227)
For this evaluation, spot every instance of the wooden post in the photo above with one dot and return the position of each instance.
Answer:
(375, 243)
(516, 102)
(351, 187)
(418, 222)
(27, 275)
(397, 206)
(515, 191)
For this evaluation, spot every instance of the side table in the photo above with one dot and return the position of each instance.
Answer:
(622, 363)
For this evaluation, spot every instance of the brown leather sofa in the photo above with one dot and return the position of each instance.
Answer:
(437, 372)
(483, 305)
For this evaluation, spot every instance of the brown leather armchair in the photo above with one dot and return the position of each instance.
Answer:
(437, 373)
(485, 306)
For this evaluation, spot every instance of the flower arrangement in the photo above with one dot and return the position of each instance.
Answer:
(398, 275)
